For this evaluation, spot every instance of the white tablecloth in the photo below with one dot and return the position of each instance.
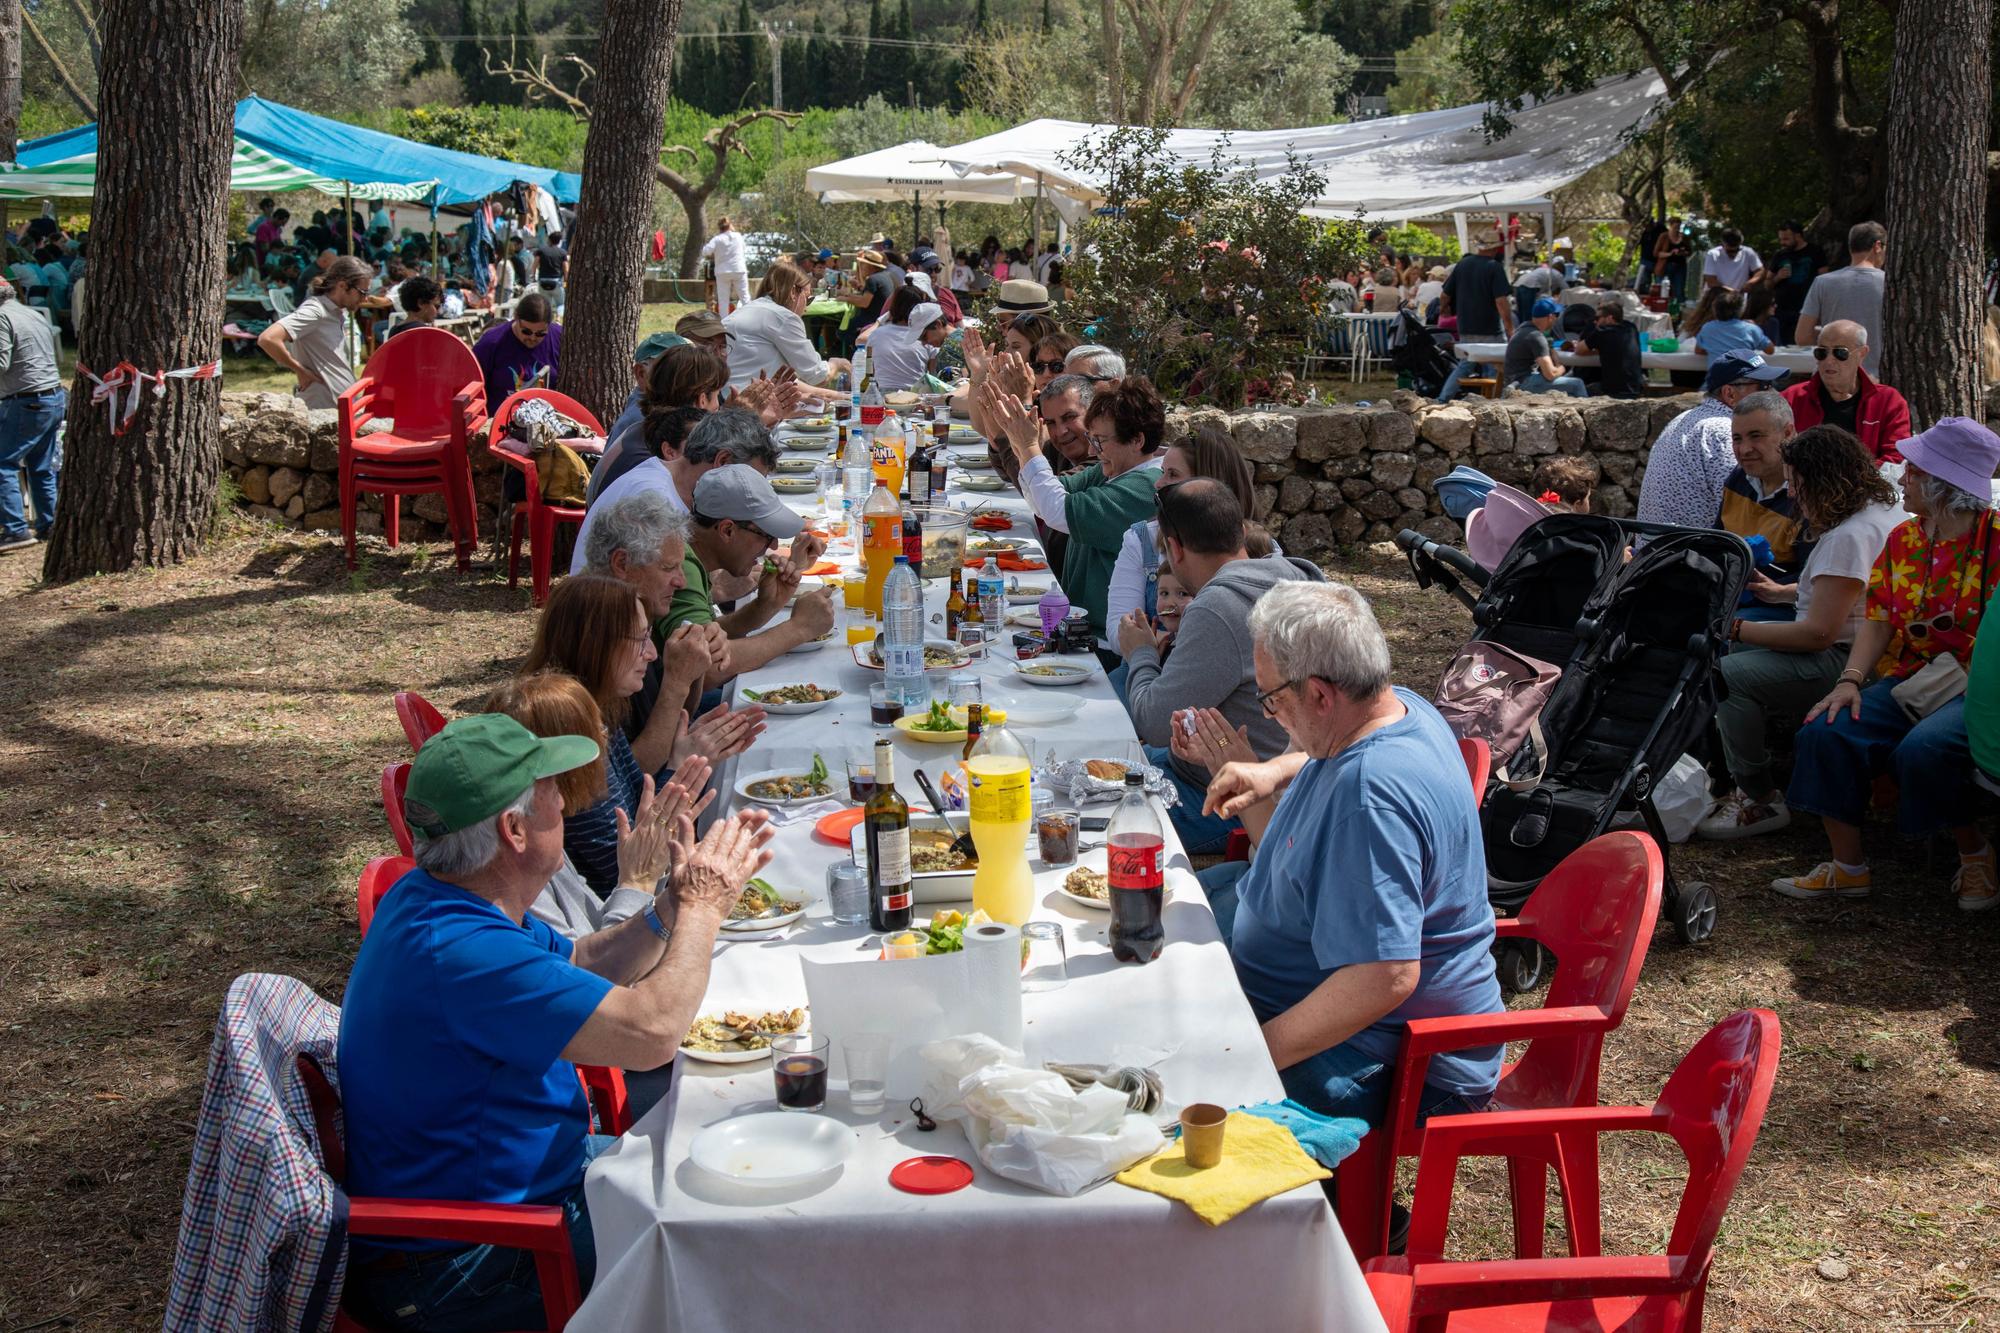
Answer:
(1798, 360)
(679, 1249)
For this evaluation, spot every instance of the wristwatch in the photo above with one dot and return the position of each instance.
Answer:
(659, 927)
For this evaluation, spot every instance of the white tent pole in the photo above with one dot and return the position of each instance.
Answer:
(1548, 226)
(1464, 234)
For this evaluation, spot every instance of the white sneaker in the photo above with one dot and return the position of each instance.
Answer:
(1737, 816)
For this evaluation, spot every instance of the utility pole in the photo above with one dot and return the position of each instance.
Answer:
(777, 65)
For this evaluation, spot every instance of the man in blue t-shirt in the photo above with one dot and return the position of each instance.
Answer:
(465, 1017)
(1365, 905)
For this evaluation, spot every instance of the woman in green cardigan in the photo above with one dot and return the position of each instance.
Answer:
(1126, 422)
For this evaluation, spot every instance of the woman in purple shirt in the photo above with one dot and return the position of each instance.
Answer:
(520, 354)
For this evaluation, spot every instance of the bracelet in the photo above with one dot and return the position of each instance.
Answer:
(1857, 675)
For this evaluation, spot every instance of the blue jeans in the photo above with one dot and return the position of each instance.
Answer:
(480, 1289)
(1462, 370)
(1767, 612)
(1645, 282)
(1115, 678)
(1344, 1080)
(1834, 764)
(1219, 883)
(1200, 834)
(31, 442)
(1569, 384)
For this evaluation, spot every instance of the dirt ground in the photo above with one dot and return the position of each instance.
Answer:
(191, 759)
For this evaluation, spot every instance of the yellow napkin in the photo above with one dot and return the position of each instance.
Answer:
(1259, 1159)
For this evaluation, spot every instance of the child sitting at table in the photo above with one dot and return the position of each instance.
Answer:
(1170, 598)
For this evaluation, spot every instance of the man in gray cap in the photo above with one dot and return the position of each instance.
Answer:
(738, 520)
(32, 403)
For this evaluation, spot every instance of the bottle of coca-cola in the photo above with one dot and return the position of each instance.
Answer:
(1136, 856)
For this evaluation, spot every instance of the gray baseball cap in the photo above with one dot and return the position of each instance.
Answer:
(742, 493)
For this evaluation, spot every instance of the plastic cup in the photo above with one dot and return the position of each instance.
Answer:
(1047, 963)
(1201, 1134)
(867, 1058)
(847, 894)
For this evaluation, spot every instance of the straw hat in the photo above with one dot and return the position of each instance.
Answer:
(1019, 296)
(870, 258)
(1437, 272)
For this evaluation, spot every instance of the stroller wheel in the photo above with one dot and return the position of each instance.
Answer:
(1694, 913)
(1519, 964)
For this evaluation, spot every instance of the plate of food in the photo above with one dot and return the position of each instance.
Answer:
(734, 1038)
(787, 787)
(971, 462)
(798, 465)
(1088, 887)
(1053, 673)
(1026, 594)
(814, 645)
(795, 485)
(786, 699)
(761, 907)
(939, 655)
(980, 483)
(996, 545)
(900, 398)
(803, 444)
(935, 726)
(1026, 617)
(819, 425)
(937, 874)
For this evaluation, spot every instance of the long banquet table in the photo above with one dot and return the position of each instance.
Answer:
(1798, 360)
(678, 1248)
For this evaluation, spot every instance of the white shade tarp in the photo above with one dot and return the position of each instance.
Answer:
(893, 175)
(1398, 167)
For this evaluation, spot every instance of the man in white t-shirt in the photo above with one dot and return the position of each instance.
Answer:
(732, 267)
(1731, 264)
(1853, 293)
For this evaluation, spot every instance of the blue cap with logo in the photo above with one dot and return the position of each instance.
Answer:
(1736, 366)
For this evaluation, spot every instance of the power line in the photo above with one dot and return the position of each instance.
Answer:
(850, 38)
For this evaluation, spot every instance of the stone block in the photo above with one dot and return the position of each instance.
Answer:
(1326, 495)
(1295, 495)
(1354, 488)
(324, 444)
(1514, 469)
(1535, 430)
(296, 508)
(1391, 468)
(430, 506)
(1663, 410)
(1429, 469)
(366, 525)
(1348, 525)
(1262, 498)
(1440, 529)
(1308, 535)
(1356, 466)
(1338, 432)
(1271, 472)
(1380, 533)
(1619, 469)
(284, 484)
(1613, 500)
(1390, 430)
(1492, 428)
(1379, 504)
(1618, 423)
(231, 442)
(1569, 429)
(1411, 498)
(323, 520)
(266, 513)
(1449, 427)
(276, 431)
(1266, 437)
(320, 491)
(255, 483)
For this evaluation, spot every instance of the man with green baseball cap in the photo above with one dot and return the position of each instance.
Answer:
(643, 357)
(464, 1013)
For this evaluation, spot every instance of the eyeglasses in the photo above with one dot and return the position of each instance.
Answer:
(1921, 630)
(745, 525)
(1047, 367)
(1264, 697)
(1101, 442)
(1837, 353)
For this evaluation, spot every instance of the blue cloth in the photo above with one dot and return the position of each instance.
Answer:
(30, 442)
(1200, 834)
(631, 415)
(1730, 335)
(1220, 883)
(479, 1289)
(451, 1039)
(1330, 1139)
(590, 835)
(1374, 855)
(1347, 1081)
(1835, 763)
(1462, 490)
(1462, 370)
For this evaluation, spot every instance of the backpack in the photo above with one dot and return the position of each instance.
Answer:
(1495, 694)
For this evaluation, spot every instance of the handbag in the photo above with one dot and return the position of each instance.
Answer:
(1930, 687)
(1495, 694)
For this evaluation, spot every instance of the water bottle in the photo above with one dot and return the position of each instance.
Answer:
(857, 475)
(993, 598)
(903, 635)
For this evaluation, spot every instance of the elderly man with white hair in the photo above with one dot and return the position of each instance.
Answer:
(1842, 393)
(465, 1017)
(1365, 904)
(1095, 362)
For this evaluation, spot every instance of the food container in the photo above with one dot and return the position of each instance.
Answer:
(945, 532)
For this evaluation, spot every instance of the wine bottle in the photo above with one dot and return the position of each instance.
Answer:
(887, 819)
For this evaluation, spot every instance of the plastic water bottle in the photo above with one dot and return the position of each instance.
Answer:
(857, 474)
(903, 634)
(993, 598)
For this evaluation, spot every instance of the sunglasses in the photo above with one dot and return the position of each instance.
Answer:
(1837, 353)
(1921, 630)
(533, 334)
(1047, 367)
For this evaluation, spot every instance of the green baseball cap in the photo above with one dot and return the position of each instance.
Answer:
(478, 766)
(651, 348)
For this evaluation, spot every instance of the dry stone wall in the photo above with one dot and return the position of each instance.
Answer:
(1326, 477)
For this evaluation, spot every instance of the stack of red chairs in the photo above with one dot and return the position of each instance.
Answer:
(538, 517)
(421, 720)
(427, 385)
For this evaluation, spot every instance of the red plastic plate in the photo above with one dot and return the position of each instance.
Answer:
(931, 1175)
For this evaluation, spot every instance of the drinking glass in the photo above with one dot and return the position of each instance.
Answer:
(1047, 964)
(798, 1067)
(867, 1057)
(967, 688)
(1058, 832)
(860, 774)
(885, 704)
(847, 894)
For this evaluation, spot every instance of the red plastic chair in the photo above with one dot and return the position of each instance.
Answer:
(603, 1086)
(538, 1228)
(395, 781)
(1595, 911)
(427, 383)
(1478, 758)
(420, 720)
(537, 516)
(1712, 1106)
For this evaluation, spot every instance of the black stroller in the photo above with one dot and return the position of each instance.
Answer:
(1638, 642)
(1423, 353)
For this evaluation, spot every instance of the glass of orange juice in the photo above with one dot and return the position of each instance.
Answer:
(854, 588)
(860, 625)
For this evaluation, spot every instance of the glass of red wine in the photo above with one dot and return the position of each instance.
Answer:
(798, 1064)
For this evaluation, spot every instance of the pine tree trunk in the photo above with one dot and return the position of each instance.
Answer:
(146, 497)
(1935, 205)
(615, 215)
(10, 77)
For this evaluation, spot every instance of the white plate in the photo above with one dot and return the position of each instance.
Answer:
(803, 443)
(972, 462)
(1075, 675)
(725, 1057)
(1094, 904)
(1041, 711)
(763, 923)
(1026, 596)
(980, 483)
(862, 659)
(1025, 618)
(995, 546)
(743, 787)
(773, 1148)
(797, 466)
(783, 710)
(811, 646)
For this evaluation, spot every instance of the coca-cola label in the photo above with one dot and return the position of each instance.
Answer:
(1134, 867)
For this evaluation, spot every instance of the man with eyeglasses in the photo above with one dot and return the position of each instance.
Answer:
(1842, 393)
(523, 353)
(738, 519)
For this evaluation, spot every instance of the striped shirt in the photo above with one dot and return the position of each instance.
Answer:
(590, 836)
(1748, 512)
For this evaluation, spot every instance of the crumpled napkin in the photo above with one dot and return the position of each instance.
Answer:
(1260, 1159)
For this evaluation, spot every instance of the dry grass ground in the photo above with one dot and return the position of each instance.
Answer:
(191, 760)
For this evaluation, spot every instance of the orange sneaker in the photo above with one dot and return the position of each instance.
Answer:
(1976, 884)
(1826, 880)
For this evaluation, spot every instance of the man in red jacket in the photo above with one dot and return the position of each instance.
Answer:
(1840, 393)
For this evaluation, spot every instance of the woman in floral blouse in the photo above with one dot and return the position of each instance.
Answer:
(1925, 599)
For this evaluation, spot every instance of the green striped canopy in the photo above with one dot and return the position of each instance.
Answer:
(251, 169)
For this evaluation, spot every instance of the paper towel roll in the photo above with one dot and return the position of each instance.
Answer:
(993, 951)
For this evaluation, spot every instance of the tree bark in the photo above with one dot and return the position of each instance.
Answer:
(1114, 62)
(10, 77)
(615, 213)
(1936, 204)
(147, 497)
